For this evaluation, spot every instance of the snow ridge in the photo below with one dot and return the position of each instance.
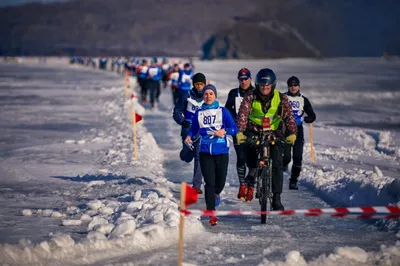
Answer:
(125, 207)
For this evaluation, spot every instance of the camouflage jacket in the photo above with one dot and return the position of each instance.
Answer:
(287, 126)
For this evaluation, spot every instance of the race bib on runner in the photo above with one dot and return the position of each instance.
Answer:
(165, 67)
(175, 76)
(186, 78)
(153, 71)
(193, 105)
(211, 118)
(143, 69)
(238, 102)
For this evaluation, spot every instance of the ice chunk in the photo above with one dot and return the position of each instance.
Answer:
(67, 222)
(62, 241)
(26, 212)
(125, 228)
(96, 221)
(353, 253)
(94, 204)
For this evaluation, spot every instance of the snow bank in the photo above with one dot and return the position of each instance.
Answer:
(354, 256)
(352, 187)
(124, 208)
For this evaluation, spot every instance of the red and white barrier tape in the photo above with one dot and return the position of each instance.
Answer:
(387, 212)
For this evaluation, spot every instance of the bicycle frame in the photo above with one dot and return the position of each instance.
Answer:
(264, 173)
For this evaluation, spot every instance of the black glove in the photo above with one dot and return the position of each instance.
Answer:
(186, 124)
(308, 119)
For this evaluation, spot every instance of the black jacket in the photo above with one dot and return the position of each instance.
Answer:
(231, 103)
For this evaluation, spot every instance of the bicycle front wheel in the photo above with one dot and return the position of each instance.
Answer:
(264, 195)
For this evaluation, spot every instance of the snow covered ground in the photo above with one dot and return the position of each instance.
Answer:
(72, 194)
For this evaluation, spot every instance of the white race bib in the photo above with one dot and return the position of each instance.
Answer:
(193, 105)
(153, 71)
(297, 103)
(211, 118)
(175, 76)
(238, 102)
(144, 69)
(165, 67)
(186, 78)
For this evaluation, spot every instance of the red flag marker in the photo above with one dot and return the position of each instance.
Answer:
(191, 195)
(138, 117)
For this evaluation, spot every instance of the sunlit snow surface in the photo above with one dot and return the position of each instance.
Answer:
(72, 194)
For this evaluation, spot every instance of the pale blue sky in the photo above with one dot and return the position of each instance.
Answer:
(4, 3)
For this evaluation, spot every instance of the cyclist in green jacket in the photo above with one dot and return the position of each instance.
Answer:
(266, 110)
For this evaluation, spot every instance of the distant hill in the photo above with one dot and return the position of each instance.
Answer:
(310, 28)
(206, 28)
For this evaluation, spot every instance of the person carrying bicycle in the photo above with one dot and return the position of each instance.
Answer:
(266, 110)
(213, 122)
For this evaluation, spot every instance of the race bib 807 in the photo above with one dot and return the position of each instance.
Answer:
(211, 118)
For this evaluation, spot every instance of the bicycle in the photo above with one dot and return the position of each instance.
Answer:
(264, 172)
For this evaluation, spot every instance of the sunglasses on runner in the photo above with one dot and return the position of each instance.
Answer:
(242, 79)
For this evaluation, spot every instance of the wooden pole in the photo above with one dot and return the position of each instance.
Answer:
(311, 145)
(126, 83)
(134, 132)
(181, 224)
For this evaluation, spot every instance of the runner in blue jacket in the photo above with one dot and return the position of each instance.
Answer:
(214, 123)
(154, 75)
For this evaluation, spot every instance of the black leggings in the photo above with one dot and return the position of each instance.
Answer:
(297, 153)
(143, 88)
(241, 163)
(154, 87)
(214, 169)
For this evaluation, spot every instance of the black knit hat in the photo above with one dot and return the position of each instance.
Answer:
(293, 81)
(199, 77)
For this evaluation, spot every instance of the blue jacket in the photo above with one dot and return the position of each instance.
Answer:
(143, 72)
(208, 120)
(185, 79)
(188, 103)
(156, 71)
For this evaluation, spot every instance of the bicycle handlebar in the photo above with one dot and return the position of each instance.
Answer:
(262, 139)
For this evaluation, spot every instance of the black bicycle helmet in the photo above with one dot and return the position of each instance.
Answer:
(266, 77)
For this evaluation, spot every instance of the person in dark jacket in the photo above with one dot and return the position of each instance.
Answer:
(154, 75)
(174, 77)
(266, 110)
(214, 123)
(188, 103)
(141, 72)
(300, 105)
(185, 79)
(233, 102)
